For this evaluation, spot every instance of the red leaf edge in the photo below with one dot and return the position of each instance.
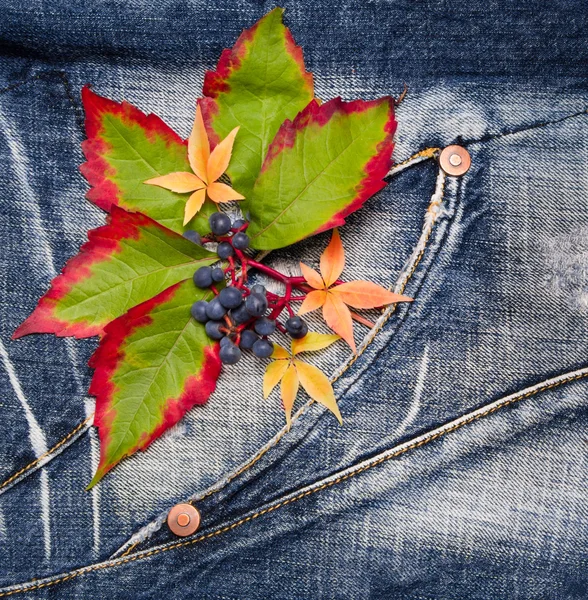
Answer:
(105, 361)
(104, 192)
(375, 169)
(102, 241)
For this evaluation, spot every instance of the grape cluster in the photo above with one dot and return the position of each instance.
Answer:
(236, 316)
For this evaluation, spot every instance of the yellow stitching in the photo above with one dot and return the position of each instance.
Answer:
(128, 550)
(328, 484)
(50, 451)
(426, 153)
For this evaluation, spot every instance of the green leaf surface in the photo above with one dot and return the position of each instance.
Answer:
(154, 363)
(258, 84)
(124, 263)
(320, 168)
(124, 148)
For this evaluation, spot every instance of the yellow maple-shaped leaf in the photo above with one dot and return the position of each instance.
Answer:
(317, 386)
(207, 167)
(334, 298)
(292, 372)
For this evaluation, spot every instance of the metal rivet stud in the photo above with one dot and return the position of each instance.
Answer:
(183, 519)
(455, 160)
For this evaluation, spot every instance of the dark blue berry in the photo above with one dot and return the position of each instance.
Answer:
(240, 241)
(217, 275)
(193, 236)
(226, 340)
(239, 223)
(256, 305)
(240, 314)
(248, 338)
(230, 297)
(263, 348)
(220, 224)
(198, 311)
(203, 277)
(265, 326)
(224, 250)
(213, 331)
(296, 327)
(258, 289)
(229, 353)
(215, 310)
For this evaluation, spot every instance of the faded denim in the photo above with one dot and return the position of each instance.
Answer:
(460, 469)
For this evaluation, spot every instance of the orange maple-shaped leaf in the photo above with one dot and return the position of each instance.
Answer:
(334, 297)
(293, 373)
(207, 166)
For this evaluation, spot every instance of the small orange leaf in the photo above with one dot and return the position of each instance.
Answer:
(312, 301)
(312, 277)
(219, 192)
(273, 375)
(365, 294)
(317, 386)
(199, 147)
(338, 318)
(220, 157)
(180, 182)
(289, 391)
(194, 204)
(312, 342)
(279, 352)
(333, 260)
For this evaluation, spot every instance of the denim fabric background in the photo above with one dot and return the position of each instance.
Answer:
(460, 470)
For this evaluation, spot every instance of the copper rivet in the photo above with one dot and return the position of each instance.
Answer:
(455, 160)
(183, 519)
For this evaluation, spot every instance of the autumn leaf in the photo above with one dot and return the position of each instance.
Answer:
(334, 297)
(207, 167)
(153, 364)
(320, 167)
(292, 372)
(125, 262)
(124, 148)
(257, 85)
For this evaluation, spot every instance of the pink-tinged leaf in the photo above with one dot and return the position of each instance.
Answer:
(273, 375)
(365, 294)
(199, 147)
(312, 342)
(221, 156)
(312, 301)
(124, 149)
(338, 318)
(289, 391)
(333, 260)
(127, 261)
(312, 277)
(257, 84)
(319, 169)
(317, 386)
(220, 192)
(154, 363)
(178, 182)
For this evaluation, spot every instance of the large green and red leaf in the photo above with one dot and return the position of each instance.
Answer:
(129, 260)
(319, 169)
(125, 148)
(257, 84)
(153, 364)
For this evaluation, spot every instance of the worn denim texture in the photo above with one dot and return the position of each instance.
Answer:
(460, 469)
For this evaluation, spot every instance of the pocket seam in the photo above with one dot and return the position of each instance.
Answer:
(433, 435)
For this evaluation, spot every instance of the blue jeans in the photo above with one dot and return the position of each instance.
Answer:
(460, 470)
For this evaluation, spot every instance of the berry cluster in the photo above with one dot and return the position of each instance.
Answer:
(242, 317)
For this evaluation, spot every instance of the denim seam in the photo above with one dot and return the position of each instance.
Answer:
(48, 455)
(355, 470)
